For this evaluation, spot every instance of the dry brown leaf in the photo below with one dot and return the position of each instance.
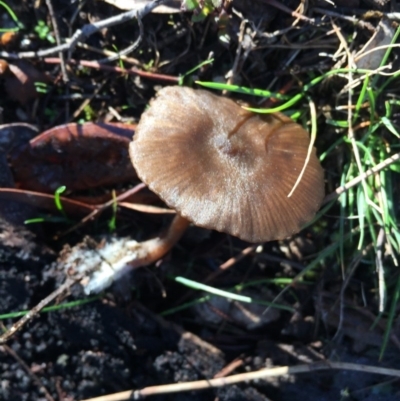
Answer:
(20, 80)
(77, 156)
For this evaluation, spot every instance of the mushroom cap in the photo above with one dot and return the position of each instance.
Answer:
(225, 168)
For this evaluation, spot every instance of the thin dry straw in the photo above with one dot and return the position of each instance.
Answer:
(380, 166)
(242, 377)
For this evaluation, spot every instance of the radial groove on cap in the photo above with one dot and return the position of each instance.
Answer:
(225, 168)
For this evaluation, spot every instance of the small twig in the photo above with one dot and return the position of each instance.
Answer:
(58, 39)
(352, 20)
(131, 48)
(380, 166)
(242, 52)
(262, 374)
(270, 36)
(130, 71)
(36, 309)
(64, 72)
(109, 53)
(366, 14)
(86, 31)
(28, 370)
(287, 10)
(104, 206)
(230, 262)
(87, 101)
(236, 363)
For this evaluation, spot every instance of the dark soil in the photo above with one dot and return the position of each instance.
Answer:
(114, 344)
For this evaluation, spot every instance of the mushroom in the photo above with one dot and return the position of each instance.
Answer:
(220, 167)
(224, 168)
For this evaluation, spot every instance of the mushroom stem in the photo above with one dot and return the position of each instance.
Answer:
(117, 257)
(155, 248)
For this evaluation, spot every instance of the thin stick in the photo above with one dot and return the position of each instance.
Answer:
(64, 72)
(87, 101)
(109, 53)
(380, 166)
(36, 309)
(104, 206)
(58, 39)
(28, 370)
(229, 368)
(230, 262)
(130, 49)
(130, 71)
(242, 377)
(86, 31)
(362, 24)
(287, 10)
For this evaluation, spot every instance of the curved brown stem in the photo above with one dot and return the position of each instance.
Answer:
(154, 249)
(119, 257)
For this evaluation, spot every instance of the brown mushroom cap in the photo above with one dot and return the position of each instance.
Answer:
(225, 168)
